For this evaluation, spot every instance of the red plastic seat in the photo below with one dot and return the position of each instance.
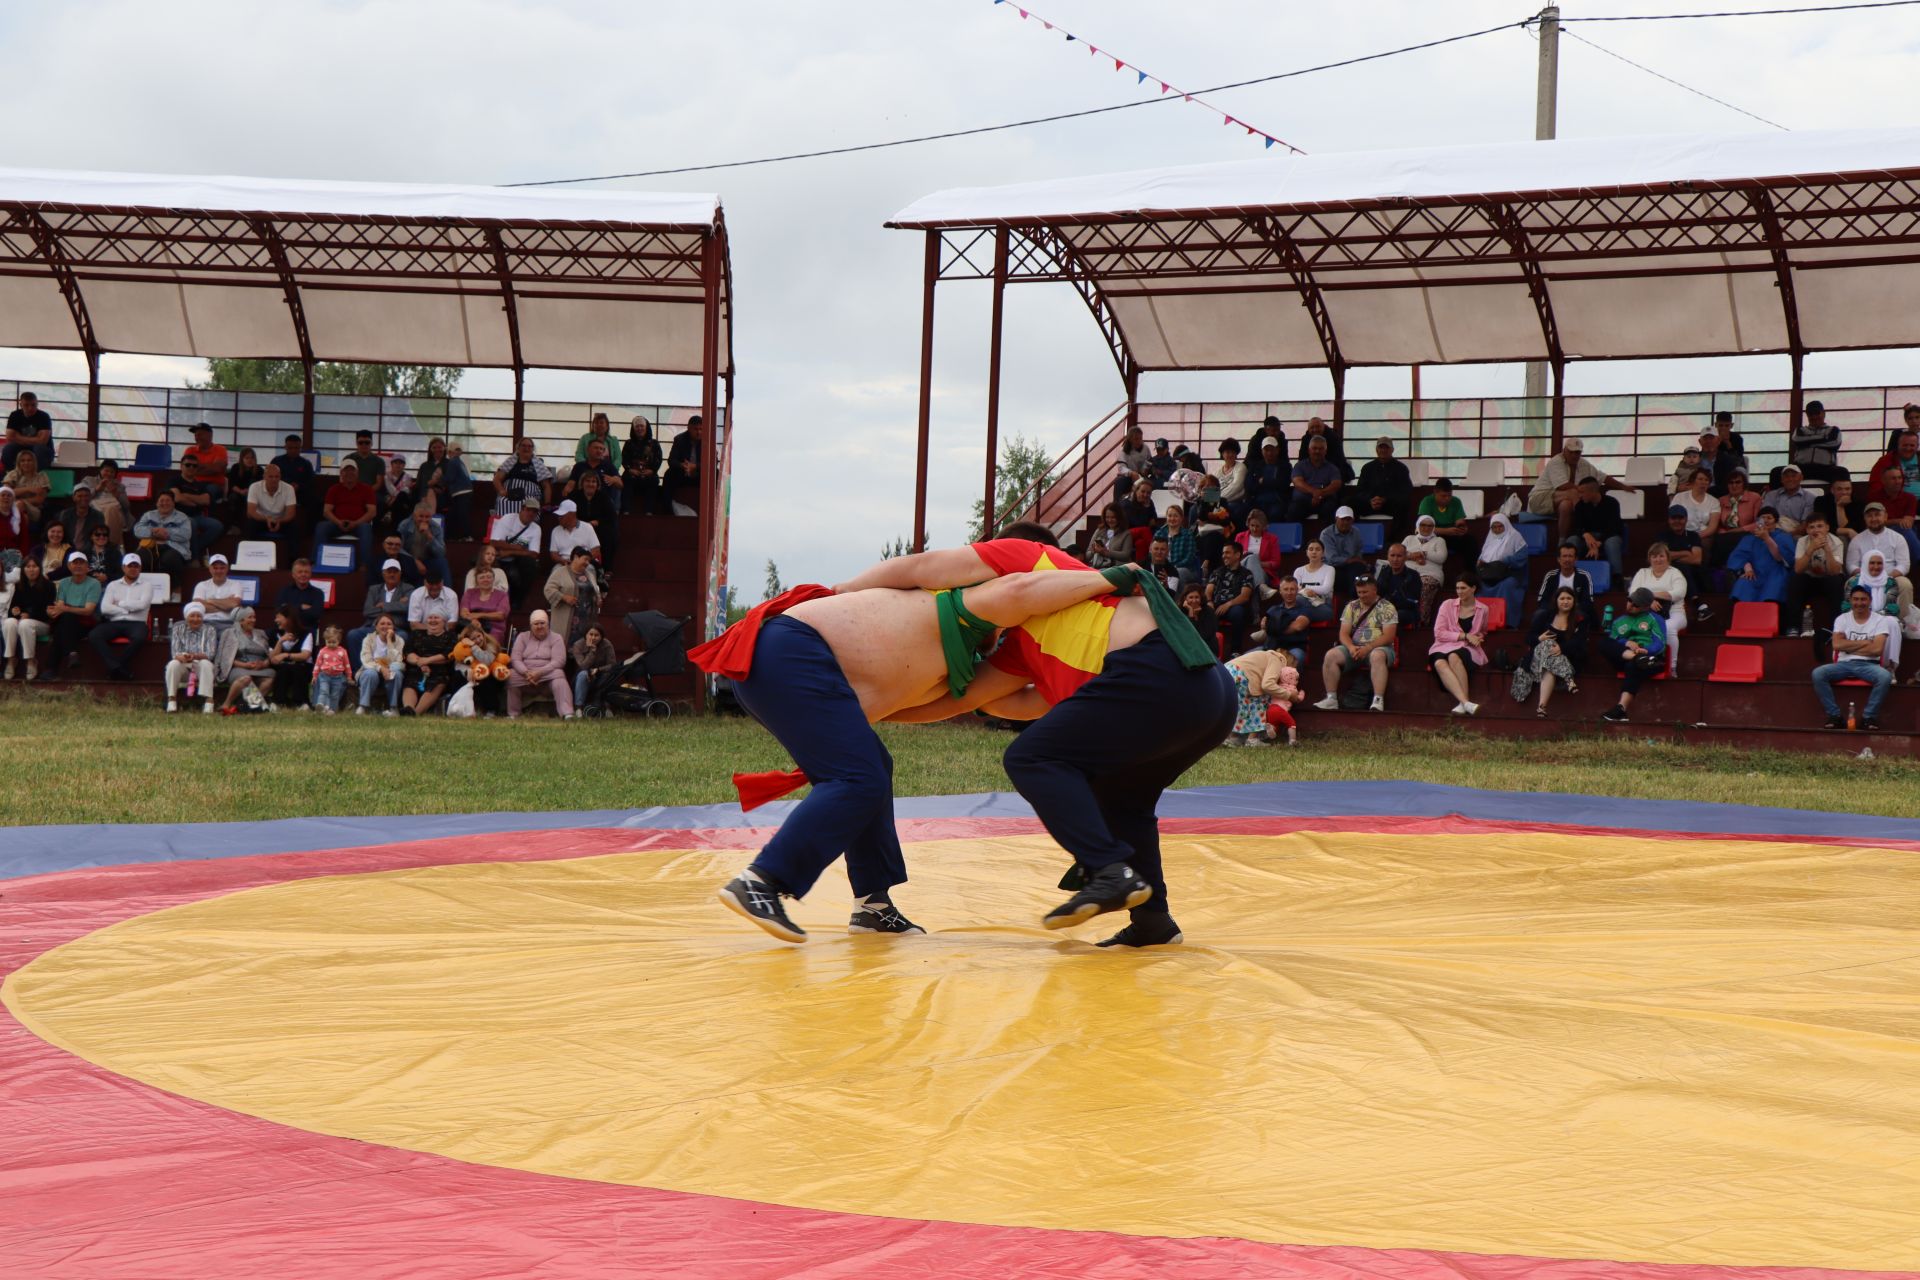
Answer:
(1496, 612)
(1754, 620)
(1333, 603)
(1739, 664)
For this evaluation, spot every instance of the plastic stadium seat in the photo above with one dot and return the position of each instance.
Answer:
(1334, 604)
(1633, 505)
(1645, 471)
(78, 454)
(152, 457)
(1373, 537)
(1739, 664)
(1292, 536)
(249, 587)
(337, 557)
(1485, 473)
(258, 555)
(1421, 471)
(1538, 537)
(1472, 502)
(1599, 572)
(1496, 612)
(1162, 499)
(326, 586)
(59, 484)
(1754, 620)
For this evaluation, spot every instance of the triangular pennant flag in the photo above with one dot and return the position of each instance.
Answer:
(1118, 65)
(1269, 142)
(1228, 120)
(1092, 50)
(1023, 14)
(1069, 37)
(1046, 24)
(1143, 77)
(1164, 86)
(1250, 131)
(1187, 97)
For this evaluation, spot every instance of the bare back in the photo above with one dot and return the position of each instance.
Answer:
(887, 644)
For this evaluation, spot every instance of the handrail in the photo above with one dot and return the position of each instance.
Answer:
(1027, 503)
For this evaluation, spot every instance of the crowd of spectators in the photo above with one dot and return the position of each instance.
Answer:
(82, 577)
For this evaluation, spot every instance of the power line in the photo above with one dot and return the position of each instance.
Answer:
(1022, 124)
(1740, 13)
(1574, 35)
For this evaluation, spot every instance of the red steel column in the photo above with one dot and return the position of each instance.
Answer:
(926, 392)
(709, 370)
(1000, 237)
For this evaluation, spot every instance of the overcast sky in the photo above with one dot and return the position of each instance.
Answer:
(482, 91)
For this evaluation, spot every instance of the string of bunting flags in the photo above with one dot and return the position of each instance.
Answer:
(1142, 76)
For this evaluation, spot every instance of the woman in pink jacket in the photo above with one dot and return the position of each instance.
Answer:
(1457, 642)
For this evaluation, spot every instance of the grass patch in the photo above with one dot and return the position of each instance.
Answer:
(135, 764)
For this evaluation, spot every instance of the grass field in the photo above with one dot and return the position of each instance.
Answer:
(70, 758)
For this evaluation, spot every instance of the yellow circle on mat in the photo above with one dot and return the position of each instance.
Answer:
(1634, 1049)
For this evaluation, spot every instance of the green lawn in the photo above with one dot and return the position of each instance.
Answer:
(71, 758)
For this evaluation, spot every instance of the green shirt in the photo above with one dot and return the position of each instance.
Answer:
(1648, 630)
(613, 448)
(78, 592)
(1446, 517)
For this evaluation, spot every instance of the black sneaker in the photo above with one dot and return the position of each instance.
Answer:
(1617, 714)
(1836, 722)
(1114, 887)
(759, 902)
(880, 916)
(1156, 930)
(1870, 725)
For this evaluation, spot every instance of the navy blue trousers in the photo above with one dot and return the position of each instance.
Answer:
(796, 690)
(1093, 767)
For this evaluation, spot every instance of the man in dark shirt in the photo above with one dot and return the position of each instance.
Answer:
(1316, 483)
(1730, 452)
(1270, 479)
(1287, 622)
(1596, 525)
(30, 429)
(1386, 488)
(682, 480)
(298, 473)
(1688, 554)
(1399, 585)
(1230, 596)
(370, 464)
(1269, 430)
(1162, 463)
(1336, 447)
(1568, 573)
(305, 599)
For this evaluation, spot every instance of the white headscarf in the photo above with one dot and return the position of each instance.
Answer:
(1874, 582)
(1502, 543)
(16, 512)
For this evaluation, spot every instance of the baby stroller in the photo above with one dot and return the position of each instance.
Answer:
(628, 687)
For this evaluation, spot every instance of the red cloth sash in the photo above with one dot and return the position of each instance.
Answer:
(730, 654)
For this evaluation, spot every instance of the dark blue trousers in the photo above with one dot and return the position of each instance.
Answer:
(797, 692)
(1093, 767)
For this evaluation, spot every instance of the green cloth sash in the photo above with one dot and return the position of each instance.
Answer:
(1175, 627)
(963, 634)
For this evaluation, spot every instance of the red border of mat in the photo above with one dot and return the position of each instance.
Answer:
(171, 1187)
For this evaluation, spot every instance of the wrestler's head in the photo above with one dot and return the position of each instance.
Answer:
(1029, 531)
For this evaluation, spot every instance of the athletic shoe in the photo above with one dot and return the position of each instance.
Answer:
(1703, 612)
(1378, 704)
(1233, 740)
(1329, 703)
(173, 704)
(1616, 714)
(359, 711)
(1255, 740)
(1155, 930)
(1113, 887)
(1793, 633)
(1836, 722)
(880, 916)
(1459, 709)
(388, 712)
(1870, 725)
(1469, 708)
(759, 902)
(207, 709)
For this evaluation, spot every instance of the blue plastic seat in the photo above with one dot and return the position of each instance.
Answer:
(1292, 536)
(153, 457)
(1538, 536)
(1373, 536)
(1601, 574)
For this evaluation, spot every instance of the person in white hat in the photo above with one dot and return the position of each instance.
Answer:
(122, 628)
(516, 540)
(390, 597)
(219, 594)
(571, 532)
(76, 603)
(1558, 487)
(1341, 542)
(192, 646)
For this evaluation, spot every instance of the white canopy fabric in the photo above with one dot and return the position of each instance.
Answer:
(227, 266)
(1579, 249)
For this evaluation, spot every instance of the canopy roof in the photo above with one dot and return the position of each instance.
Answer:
(1582, 249)
(222, 266)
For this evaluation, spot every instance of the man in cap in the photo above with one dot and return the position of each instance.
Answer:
(1162, 463)
(1386, 488)
(124, 606)
(1683, 471)
(569, 532)
(1730, 455)
(1316, 483)
(1270, 479)
(517, 539)
(1636, 645)
(1791, 501)
(76, 604)
(192, 645)
(1862, 639)
(1558, 488)
(1341, 543)
(389, 596)
(1814, 447)
(1270, 430)
(218, 595)
(348, 511)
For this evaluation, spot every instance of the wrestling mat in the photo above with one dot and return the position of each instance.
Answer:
(1418, 1032)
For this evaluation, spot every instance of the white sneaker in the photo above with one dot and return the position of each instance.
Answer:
(359, 711)
(1469, 708)
(1459, 709)
(208, 708)
(1233, 740)
(389, 712)
(1254, 741)
(1378, 704)
(326, 711)
(1329, 703)
(273, 708)
(173, 704)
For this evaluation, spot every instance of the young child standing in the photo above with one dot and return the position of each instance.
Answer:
(1267, 684)
(330, 671)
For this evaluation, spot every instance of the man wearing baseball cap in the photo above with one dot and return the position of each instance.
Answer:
(1636, 645)
(570, 532)
(219, 596)
(1558, 487)
(1341, 542)
(124, 606)
(389, 596)
(76, 603)
(516, 538)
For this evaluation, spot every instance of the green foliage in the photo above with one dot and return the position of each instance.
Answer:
(1023, 464)
(773, 580)
(333, 379)
(900, 546)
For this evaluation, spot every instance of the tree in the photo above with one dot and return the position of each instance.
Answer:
(900, 546)
(773, 580)
(1024, 465)
(332, 378)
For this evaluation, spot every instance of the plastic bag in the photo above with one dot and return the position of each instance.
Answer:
(460, 705)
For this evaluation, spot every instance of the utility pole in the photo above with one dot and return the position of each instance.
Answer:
(1545, 103)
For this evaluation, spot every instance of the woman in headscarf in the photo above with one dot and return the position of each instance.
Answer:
(1502, 565)
(1427, 556)
(1877, 578)
(640, 463)
(16, 535)
(539, 658)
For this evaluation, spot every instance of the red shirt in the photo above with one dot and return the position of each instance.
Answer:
(1901, 506)
(350, 502)
(1058, 652)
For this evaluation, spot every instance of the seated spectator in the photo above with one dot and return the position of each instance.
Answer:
(1816, 586)
(484, 662)
(75, 608)
(1501, 566)
(110, 498)
(1668, 587)
(1427, 556)
(1386, 487)
(397, 499)
(423, 548)
(330, 671)
(1689, 555)
(53, 550)
(1909, 421)
(1460, 642)
(443, 477)
(1567, 575)
(81, 519)
(1316, 484)
(1161, 464)
(348, 511)
(16, 531)
(1270, 480)
(598, 466)
(272, 506)
(219, 593)
(1685, 469)
(291, 659)
(1903, 458)
(297, 472)
(1636, 647)
(1813, 447)
(31, 486)
(1233, 480)
(1845, 514)
(1901, 510)
(1287, 621)
(1317, 429)
(1136, 509)
(1730, 451)
(241, 477)
(1262, 680)
(1861, 639)
(484, 604)
(1597, 526)
(1790, 501)
(1763, 562)
(1230, 596)
(599, 432)
(1701, 507)
(1877, 537)
(1558, 488)
(432, 598)
(103, 555)
(198, 499)
(1739, 516)
(1259, 551)
(192, 648)
(1883, 590)
(516, 542)
(1369, 630)
(572, 591)
(29, 430)
(599, 509)
(203, 462)
(594, 663)
(1257, 443)
(1213, 525)
(429, 668)
(245, 661)
(382, 665)
(539, 659)
(1205, 624)
(164, 537)
(1342, 546)
(28, 620)
(300, 595)
(1448, 513)
(1112, 542)
(1134, 466)
(370, 465)
(1401, 586)
(569, 533)
(1316, 582)
(1558, 636)
(641, 464)
(389, 598)
(125, 604)
(1164, 571)
(523, 479)
(1183, 548)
